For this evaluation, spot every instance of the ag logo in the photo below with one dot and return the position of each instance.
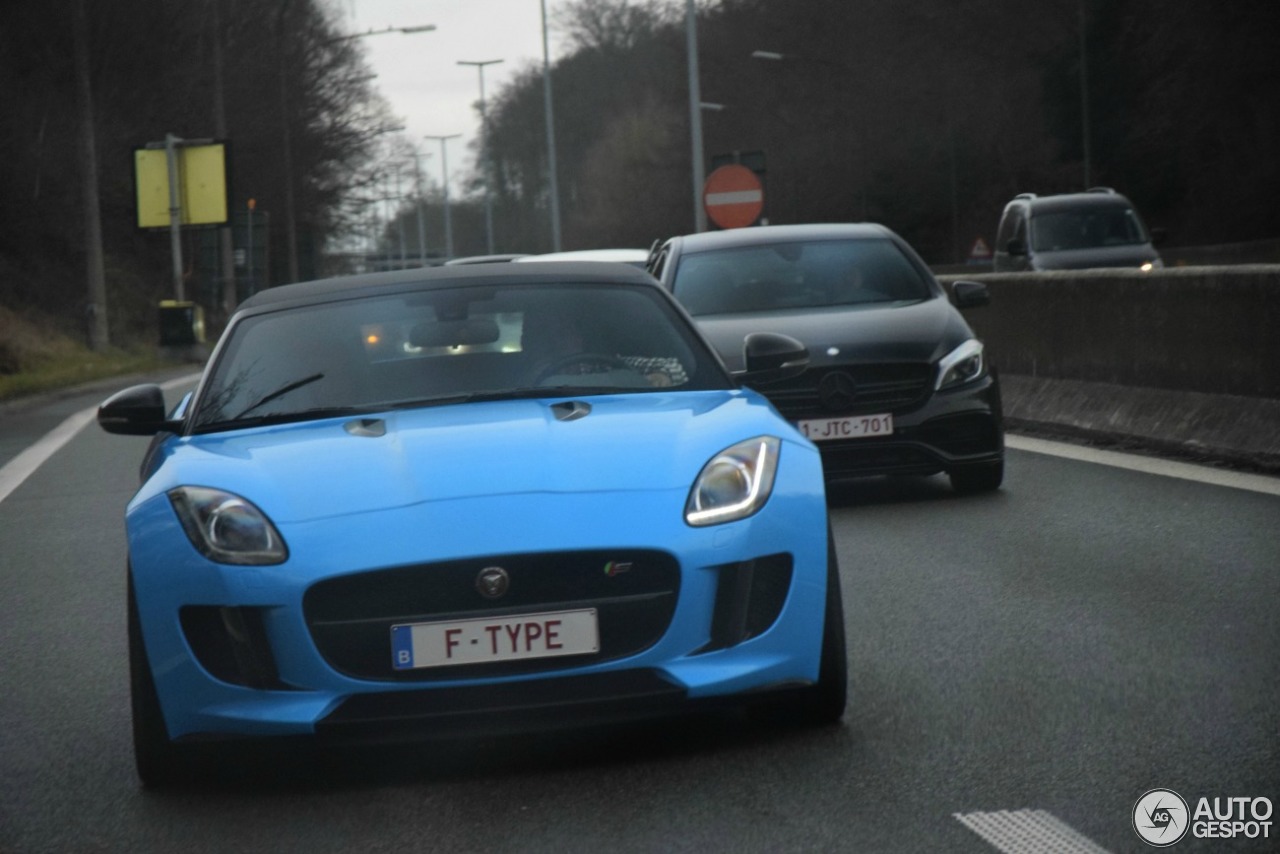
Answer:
(1160, 817)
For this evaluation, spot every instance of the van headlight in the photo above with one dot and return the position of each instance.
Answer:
(964, 364)
(227, 528)
(734, 484)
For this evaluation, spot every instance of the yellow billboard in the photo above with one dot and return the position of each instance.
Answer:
(202, 184)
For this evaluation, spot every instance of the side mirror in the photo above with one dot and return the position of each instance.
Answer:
(1016, 246)
(969, 294)
(136, 411)
(770, 357)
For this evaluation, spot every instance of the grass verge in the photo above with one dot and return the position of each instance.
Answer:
(36, 357)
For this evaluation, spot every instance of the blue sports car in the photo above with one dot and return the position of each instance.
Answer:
(474, 498)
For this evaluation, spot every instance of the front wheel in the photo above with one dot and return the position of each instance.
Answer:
(159, 761)
(823, 703)
(981, 478)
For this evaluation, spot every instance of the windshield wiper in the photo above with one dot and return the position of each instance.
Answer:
(278, 393)
(313, 414)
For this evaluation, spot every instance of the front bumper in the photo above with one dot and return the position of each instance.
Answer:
(948, 430)
(241, 651)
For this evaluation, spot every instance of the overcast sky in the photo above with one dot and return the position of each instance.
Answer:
(418, 73)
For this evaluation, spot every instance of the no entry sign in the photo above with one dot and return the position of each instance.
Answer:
(732, 196)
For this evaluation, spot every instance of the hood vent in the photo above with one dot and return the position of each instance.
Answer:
(571, 410)
(369, 428)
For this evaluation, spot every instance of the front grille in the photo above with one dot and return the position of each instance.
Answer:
(633, 591)
(891, 387)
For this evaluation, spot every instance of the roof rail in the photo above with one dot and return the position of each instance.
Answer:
(1101, 190)
(1025, 196)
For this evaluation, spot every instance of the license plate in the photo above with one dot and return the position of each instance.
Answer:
(854, 427)
(490, 639)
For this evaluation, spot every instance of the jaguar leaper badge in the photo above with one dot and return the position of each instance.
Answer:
(493, 582)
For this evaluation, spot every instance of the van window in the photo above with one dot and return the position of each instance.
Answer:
(1086, 229)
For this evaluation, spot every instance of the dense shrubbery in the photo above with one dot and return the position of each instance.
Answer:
(924, 115)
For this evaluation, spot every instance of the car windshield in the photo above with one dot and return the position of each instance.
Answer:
(448, 345)
(797, 275)
(1085, 229)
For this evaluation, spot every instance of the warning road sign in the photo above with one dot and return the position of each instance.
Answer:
(733, 196)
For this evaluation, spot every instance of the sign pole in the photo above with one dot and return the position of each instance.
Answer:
(175, 214)
(249, 242)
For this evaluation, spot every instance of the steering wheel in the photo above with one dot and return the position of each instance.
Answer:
(578, 364)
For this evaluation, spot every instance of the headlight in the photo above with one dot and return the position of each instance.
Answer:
(735, 483)
(963, 364)
(227, 528)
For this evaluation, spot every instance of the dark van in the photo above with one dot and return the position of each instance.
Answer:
(1073, 231)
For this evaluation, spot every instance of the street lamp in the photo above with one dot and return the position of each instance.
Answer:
(551, 136)
(399, 212)
(444, 180)
(425, 28)
(486, 166)
(695, 115)
(422, 202)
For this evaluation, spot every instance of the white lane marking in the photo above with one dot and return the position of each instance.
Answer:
(1149, 465)
(1028, 832)
(21, 467)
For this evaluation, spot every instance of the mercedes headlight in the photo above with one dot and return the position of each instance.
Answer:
(735, 483)
(227, 528)
(964, 364)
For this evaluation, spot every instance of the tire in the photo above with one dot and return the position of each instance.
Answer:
(823, 703)
(160, 762)
(971, 480)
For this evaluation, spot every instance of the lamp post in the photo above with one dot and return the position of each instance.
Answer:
(444, 181)
(551, 136)
(1084, 94)
(485, 169)
(399, 209)
(695, 115)
(422, 225)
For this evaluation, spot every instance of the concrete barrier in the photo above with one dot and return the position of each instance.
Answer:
(1180, 358)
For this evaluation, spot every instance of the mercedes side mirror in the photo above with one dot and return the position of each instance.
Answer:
(771, 357)
(969, 294)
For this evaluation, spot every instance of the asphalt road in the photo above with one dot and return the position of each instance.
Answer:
(1056, 649)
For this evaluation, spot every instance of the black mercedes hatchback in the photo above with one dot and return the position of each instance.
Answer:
(897, 383)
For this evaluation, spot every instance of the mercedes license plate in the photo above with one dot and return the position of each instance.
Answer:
(853, 427)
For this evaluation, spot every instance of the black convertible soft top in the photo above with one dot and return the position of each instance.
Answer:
(463, 275)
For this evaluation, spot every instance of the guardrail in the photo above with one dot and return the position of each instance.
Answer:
(1183, 360)
(1214, 330)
